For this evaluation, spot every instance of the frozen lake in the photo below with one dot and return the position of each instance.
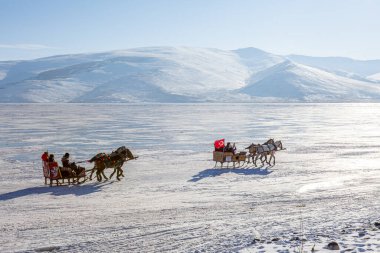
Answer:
(171, 199)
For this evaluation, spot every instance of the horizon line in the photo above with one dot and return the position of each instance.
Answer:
(166, 46)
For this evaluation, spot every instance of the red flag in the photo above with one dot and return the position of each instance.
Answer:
(218, 144)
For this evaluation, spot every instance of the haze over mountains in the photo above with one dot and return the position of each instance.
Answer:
(182, 74)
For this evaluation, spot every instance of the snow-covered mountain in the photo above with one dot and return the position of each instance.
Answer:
(339, 65)
(183, 74)
(374, 77)
(294, 81)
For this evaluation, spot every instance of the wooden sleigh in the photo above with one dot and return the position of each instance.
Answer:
(55, 173)
(229, 157)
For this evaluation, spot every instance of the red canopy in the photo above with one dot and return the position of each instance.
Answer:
(218, 144)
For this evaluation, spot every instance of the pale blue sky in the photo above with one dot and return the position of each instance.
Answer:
(37, 28)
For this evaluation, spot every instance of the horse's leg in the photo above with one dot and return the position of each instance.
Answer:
(121, 172)
(266, 157)
(99, 175)
(104, 175)
(114, 170)
(118, 173)
(261, 158)
(92, 172)
(272, 156)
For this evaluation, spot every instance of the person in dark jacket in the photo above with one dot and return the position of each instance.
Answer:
(71, 168)
(66, 160)
(66, 169)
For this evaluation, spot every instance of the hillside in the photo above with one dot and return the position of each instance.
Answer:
(183, 74)
(292, 81)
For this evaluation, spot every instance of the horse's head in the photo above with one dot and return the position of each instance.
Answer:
(129, 154)
(278, 145)
(120, 149)
(125, 152)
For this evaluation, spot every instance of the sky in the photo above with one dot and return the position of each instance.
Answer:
(37, 28)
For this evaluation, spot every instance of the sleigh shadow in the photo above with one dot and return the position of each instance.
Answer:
(56, 191)
(217, 172)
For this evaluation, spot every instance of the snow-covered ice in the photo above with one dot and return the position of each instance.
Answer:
(172, 199)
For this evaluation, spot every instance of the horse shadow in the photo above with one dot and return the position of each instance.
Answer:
(55, 190)
(214, 172)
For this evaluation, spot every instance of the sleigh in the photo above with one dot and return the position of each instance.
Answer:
(237, 159)
(55, 173)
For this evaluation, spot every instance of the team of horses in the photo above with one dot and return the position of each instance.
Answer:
(262, 151)
(115, 161)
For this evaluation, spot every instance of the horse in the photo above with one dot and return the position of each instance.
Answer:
(252, 153)
(115, 160)
(277, 144)
(264, 150)
(258, 151)
(273, 146)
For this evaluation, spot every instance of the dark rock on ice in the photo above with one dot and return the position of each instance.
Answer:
(333, 246)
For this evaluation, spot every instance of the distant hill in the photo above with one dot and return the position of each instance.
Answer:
(289, 81)
(182, 74)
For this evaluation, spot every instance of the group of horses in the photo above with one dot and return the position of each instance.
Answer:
(115, 161)
(262, 151)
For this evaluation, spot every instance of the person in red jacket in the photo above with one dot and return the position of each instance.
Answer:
(52, 162)
(45, 156)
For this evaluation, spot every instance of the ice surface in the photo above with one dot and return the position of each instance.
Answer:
(172, 199)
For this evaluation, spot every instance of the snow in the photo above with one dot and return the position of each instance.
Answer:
(339, 64)
(290, 80)
(258, 60)
(172, 199)
(3, 74)
(375, 77)
(187, 74)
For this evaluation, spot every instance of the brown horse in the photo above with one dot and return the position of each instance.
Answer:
(252, 154)
(114, 160)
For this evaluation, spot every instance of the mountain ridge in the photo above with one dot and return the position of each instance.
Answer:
(187, 74)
